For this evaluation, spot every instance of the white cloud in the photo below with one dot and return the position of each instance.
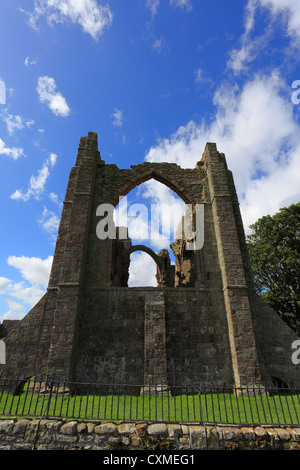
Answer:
(2, 91)
(15, 122)
(13, 152)
(15, 306)
(28, 62)
(34, 270)
(16, 310)
(4, 284)
(182, 4)
(37, 183)
(46, 89)
(199, 75)
(118, 117)
(256, 130)
(153, 6)
(142, 270)
(20, 297)
(289, 10)
(251, 45)
(49, 221)
(29, 295)
(160, 45)
(54, 198)
(89, 14)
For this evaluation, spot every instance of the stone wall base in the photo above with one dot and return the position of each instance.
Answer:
(33, 434)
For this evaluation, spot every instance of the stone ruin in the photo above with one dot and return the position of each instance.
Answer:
(202, 324)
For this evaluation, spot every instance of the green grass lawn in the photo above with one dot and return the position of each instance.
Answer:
(215, 408)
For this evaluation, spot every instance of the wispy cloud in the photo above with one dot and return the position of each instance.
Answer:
(153, 6)
(46, 89)
(118, 117)
(251, 45)
(15, 122)
(37, 183)
(11, 152)
(185, 4)
(160, 45)
(29, 62)
(49, 221)
(89, 14)
(54, 198)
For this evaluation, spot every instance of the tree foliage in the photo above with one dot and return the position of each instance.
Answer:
(274, 249)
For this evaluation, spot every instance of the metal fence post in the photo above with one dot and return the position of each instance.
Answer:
(44, 414)
(202, 418)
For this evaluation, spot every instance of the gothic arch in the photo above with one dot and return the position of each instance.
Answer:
(147, 250)
(169, 174)
(164, 271)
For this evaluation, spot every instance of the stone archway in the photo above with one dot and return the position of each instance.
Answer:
(165, 271)
(180, 180)
(147, 250)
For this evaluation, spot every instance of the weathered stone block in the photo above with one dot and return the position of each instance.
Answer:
(157, 430)
(106, 428)
(6, 427)
(126, 428)
(69, 429)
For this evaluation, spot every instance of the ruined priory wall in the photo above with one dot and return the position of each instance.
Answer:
(111, 339)
(197, 338)
(274, 343)
(27, 344)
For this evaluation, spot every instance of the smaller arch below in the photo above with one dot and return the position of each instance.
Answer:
(165, 271)
(146, 249)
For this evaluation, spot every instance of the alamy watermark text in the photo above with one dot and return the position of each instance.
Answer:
(187, 222)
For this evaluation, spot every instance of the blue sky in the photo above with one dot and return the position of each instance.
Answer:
(156, 79)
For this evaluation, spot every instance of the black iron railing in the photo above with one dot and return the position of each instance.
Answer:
(173, 404)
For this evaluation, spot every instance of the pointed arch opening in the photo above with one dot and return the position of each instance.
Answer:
(152, 212)
(142, 270)
(145, 173)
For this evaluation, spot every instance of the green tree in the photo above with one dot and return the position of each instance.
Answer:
(274, 249)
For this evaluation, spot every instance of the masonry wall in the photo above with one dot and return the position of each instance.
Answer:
(27, 434)
(110, 346)
(275, 344)
(111, 340)
(34, 332)
(198, 348)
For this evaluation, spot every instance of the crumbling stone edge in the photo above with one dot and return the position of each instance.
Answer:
(35, 434)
